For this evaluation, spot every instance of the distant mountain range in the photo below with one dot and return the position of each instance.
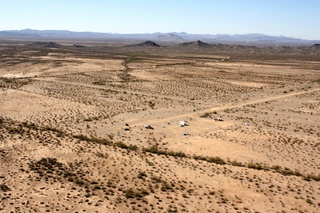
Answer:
(246, 39)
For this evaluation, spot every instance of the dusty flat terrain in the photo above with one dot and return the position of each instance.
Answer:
(72, 135)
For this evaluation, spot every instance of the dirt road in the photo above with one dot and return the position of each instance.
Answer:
(138, 121)
(221, 108)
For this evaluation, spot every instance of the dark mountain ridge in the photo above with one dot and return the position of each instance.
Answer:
(145, 44)
(196, 46)
(199, 46)
(44, 45)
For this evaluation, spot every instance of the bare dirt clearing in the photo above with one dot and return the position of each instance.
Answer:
(73, 134)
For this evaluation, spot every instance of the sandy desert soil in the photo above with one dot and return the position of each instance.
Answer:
(72, 135)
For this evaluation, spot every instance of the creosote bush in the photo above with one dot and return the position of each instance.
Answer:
(4, 188)
(138, 194)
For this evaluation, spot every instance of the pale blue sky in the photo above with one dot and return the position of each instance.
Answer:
(293, 18)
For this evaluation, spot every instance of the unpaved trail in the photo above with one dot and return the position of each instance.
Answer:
(221, 108)
(139, 122)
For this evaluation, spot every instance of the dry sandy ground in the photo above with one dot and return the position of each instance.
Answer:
(64, 145)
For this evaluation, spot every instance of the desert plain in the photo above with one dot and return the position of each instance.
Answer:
(73, 136)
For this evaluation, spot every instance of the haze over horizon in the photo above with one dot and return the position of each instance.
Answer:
(294, 18)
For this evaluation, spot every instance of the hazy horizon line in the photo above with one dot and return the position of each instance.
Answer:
(173, 32)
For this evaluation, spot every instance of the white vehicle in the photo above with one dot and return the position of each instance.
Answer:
(218, 119)
(148, 126)
(183, 123)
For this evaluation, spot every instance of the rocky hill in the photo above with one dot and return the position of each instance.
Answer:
(44, 45)
(146, 44)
